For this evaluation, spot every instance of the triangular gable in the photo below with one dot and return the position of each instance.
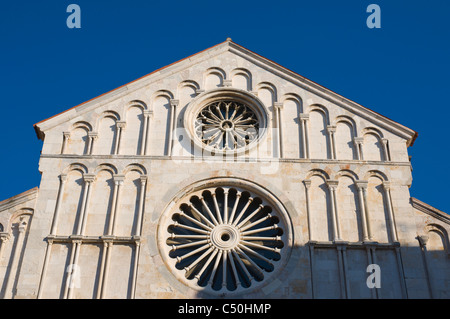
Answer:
(251, 56)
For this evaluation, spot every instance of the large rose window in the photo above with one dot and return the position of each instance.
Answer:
(224, 239)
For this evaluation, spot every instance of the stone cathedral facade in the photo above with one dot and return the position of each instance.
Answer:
(223, 175)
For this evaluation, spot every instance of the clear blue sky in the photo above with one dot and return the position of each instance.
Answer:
(401, 70)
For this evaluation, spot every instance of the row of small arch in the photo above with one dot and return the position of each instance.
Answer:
(313, 172)
(346, 172)
(108, 167)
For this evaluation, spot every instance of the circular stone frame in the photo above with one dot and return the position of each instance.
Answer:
(223, 237)
(225, 94)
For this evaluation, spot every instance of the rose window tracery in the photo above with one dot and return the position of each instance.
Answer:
(226, 125)
(223, 239)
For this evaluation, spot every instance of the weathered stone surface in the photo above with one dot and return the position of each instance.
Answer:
(115, 170)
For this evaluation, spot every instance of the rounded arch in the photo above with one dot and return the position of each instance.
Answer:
(161, 93)
(348, 173)
(18, 215)
(348, 120)
(82, 124)
(375, 173)
(137, 103)
(322, 109)
(441, 232)
(76, 167)
(245, 73)
(106, 167)
(216, 70)
(268, 86)
(213, 77)
(373, 131)
(318, 172)
(293, 97)
(135, 167)
(188, 83)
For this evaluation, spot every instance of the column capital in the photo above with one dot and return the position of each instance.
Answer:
(148, 113)
(303, 116)
(63, 178)
(358, 140)
(66, 134)
(384, 141)
(93, 135)
(174, 102)
(361, 184)
(107, 240)
(143, 179)
(118, 179)
(332, 184)
(307, 183)
(387, 185)
(331, 128)
(278, 105)
(4, 236)
(422, 240)
(88, 178)
(121, 124)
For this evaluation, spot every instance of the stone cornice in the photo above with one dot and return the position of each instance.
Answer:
(214, 159)
(430, 210)
(230, 46)
(19, 199)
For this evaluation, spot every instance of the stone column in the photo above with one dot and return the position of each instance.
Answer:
(120, 125)
(387, 156)
(135, 267)
(358, 142)
(44, 267)
(3, 239)
(22, 227)
(108, 244)
(423, 240)
(143, 179)
(73, 266)
(66, 138)
(303, 117)
(62, 181)
(92, 136)
(332, 185)
(362, 186)
(88, 180)
(148, 115)
(172, 125)
(278, 106)
(342, 265)
(387, 192)
(118, 182)
(331, 130)
(307, 184)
